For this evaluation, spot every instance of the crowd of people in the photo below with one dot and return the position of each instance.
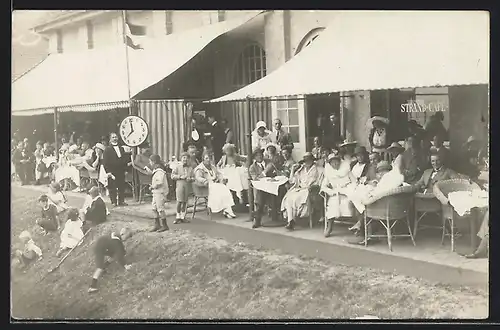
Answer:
(335, 181)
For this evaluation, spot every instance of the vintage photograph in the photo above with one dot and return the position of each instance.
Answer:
(249, 165)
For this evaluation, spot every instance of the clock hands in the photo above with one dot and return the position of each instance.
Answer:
(131, 129)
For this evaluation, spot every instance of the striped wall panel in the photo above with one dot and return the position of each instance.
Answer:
(166, 126)
(261, 110)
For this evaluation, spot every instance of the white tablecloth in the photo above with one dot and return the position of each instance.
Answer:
(270, 185)
(463, 201)
(68, 172)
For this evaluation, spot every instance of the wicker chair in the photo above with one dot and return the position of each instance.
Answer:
(441, 190)
(425, 203)
(388, 209)
(200, 193)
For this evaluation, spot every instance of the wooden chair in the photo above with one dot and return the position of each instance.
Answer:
(388, 209)
(424, 204)
(144, 182)
(200, 193)
(441, 190)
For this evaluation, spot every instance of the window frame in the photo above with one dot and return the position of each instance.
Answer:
(250, 66)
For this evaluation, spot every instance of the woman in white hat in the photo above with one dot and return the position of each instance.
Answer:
(261, 136)
(378, 133)
(231, 167)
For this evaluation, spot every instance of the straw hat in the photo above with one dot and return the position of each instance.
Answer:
(377, 118)
(384, 165)
(257, 151)
(395, 146)
(348, 142)
(308, 155)
(100, 146)
(360, 150)
(332, 157)
(274, 145)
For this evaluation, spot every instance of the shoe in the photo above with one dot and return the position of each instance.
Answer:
(91, 290)
(156, 226)
(256, 223)
(177, 221)
(164, 226)
(329, 228)
(122, 204)
(229, 215)
(290, 226)
(183, 218)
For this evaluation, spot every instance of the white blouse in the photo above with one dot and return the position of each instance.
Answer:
(357, 170)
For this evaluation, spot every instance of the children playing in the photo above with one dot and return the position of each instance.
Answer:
(94, 210)
(183, 175)
(57, 198)
(159, 189)
(72, 232)
(49, 220)
(109, 246)
(31, 252)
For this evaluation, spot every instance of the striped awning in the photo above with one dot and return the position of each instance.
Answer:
(378, 50)
(71, 81)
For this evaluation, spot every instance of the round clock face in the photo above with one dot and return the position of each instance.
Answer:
(134, 131)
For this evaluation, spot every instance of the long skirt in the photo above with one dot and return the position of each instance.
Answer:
(219, 197)
(295, 200)
(236, 179)
(338, 206)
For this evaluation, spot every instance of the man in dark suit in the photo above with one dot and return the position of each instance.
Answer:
(115, 162)
(283, 139)
(438, 172)
(413, 160)
(217, 137)
(259, 169)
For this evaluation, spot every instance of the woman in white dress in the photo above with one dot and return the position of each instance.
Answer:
(231, 165)
(336, 184)
(261, 136)
(207, 177)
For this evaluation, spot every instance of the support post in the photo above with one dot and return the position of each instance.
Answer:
(249, 160)
(56, 144)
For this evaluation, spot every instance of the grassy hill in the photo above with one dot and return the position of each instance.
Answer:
(181, 275)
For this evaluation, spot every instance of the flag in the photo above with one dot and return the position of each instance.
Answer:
(134, 34)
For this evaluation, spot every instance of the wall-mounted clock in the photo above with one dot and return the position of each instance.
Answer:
(134, 131)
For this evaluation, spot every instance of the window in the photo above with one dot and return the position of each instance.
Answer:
(221, 15)
(288, 112)
(169, 27)
(309, 39)
(250, 67)
(59, 38)
(90, 35)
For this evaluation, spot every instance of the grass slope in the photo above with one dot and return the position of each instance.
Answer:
(178, 275)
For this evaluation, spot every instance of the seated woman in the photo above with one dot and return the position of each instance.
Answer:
(288, 163)
(65, 171)
(295, 202)
(276, 159)
(316, 150)
(219, 197)
(57, 198)
(94, 210)
(335, 183)
(360, 168)
(231, 167)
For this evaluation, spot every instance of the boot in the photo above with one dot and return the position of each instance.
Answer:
(164, 226)
(183, 217)
(157, 225)
(329, 227)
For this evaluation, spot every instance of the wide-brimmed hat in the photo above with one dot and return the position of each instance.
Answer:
(73, 148)
(348, 142)
(100, 146)
(377, 118)
(332, 157)
(228, 146)
(384, 165)
(260, 124)
(271, 144)
(360, 150)
(55, 185)
(395, 146)
(257, 151)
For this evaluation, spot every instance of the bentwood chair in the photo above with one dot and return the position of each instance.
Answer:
(441, 190)
(388, 209)
(200, 193)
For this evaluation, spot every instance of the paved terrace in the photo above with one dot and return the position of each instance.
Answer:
(428, 259)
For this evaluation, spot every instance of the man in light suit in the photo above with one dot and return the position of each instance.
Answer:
(438, 172)
(259, 169)
(115, 163)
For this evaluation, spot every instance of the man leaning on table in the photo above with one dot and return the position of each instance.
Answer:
(438, 172)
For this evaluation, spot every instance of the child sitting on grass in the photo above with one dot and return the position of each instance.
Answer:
(109, 246)
(159, 189)
(183, 175)
(49, 220)
(72, 232)
(94, 210)
(31, 252)
(56, 197)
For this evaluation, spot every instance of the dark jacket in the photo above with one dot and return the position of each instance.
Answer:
(412, 165)
(425, 181)
(110, 247)
(114, 164)
(97, 212)
(217, 138)
(256, 172)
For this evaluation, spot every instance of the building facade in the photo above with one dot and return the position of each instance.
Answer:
(243, 57)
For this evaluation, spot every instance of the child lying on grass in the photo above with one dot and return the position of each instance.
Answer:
(72, 232)
(109, 246)
(30, 253)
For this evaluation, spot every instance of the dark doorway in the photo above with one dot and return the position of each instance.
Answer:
(319, 108)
